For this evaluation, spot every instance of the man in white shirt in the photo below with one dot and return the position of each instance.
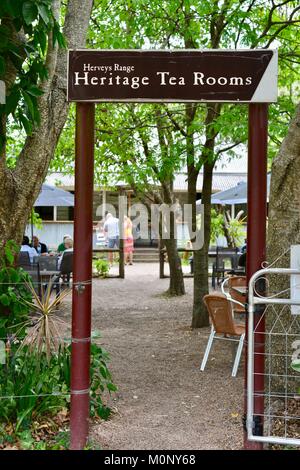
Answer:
(26, 247)
(111, 229)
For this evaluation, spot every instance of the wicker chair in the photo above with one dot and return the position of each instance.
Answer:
(223, 327)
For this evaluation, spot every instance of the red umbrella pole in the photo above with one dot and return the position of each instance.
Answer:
(82, 275)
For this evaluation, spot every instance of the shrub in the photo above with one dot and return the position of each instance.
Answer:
(35, 375)
(102, 267)
(12, 289)
(36, 386)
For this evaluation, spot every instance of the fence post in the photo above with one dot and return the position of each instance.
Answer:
(256, 247)
(82, 275)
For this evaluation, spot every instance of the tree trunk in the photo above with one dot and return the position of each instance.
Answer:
(227, 235)
(176, 286)
(284, 204)
(20, 187)
(283, 231)
(200, 315)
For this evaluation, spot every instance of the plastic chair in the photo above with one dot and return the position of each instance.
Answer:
(66, 267)
(23, 259)
(34, 272)
(49, 263)
(220, 313)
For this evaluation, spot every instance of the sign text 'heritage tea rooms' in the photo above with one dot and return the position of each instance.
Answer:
(172, 76)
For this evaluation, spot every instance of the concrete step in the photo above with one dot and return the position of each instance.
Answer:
(145, 260)
(145, 255)
(145, 250)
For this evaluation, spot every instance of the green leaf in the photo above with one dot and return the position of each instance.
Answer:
(112, 387)
(9, 255)
(103, 412)
(34, 90)
(41, 38)
(12, 101)
(29, 102)
(30, 12)
(103, 372)
(26, 123)
(296, 366)
(58, 37)
(4, 299)
(44, 13)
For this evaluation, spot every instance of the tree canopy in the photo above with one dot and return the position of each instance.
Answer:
(33, 35)
(195, 24)
(26, 27)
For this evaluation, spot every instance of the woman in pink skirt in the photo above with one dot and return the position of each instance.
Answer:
(128, 241)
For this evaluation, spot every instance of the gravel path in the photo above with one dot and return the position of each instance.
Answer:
(163, 401)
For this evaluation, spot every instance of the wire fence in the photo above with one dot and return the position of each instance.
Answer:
(274, 391)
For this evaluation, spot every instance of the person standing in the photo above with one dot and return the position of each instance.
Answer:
(111, 229)
(128, 241)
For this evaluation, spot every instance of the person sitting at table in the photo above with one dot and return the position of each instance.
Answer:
(26, 247)
(244, 247)
(68, 242)
(62, 247)
(40, 247)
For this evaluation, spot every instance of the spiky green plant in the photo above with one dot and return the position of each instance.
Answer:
(45, 334)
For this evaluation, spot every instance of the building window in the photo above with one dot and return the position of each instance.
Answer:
(46, 213)
(65, 213)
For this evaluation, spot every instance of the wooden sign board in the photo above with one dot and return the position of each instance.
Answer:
(246, 76)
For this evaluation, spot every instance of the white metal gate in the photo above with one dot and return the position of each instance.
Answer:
(281, 395)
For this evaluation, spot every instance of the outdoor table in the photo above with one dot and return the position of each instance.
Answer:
(46, 276)
(237, 271)
(242, 290)
(49, 273)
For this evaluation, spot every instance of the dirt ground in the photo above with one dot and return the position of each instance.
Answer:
(163, 401)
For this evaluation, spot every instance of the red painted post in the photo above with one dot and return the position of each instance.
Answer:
(82, 275)
(256, 244)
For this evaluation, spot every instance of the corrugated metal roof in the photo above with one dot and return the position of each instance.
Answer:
(221, 181)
